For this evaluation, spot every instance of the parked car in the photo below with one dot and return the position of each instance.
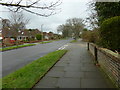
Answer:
(12, 40)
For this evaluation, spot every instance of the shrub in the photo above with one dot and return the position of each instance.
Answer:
(31, 39)
(39, 37)
(110, 33)
(90, 36)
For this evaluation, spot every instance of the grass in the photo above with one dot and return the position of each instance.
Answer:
(73, 41)
(46, 42)
(0, 84)
(60, 39)
(15, 47)
(51, 41)
(27, 76)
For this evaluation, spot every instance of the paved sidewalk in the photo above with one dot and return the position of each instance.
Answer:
(74, 70)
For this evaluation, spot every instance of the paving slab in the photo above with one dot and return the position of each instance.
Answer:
(74, 74)
(62, 64)
(72, 68)
(93, 83)
(89, 68)
(68, 83)
(88, 64)
(93, 75)
(58, 68)
(55, 74)
(47, 82)
(75, 64)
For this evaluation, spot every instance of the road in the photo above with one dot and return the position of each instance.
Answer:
(15, 59)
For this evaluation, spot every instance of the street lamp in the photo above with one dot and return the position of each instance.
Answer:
(42, 31)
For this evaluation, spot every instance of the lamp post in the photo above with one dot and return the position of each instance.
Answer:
(42, 31)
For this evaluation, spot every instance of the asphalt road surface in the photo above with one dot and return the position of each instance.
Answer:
(15, 59)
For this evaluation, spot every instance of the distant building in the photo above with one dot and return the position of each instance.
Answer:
(1, 34)
(28, 34)
(51, 35)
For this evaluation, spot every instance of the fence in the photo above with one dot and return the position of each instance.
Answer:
(108, 62)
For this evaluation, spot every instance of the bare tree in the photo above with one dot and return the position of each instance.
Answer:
(31, 6)
(64, 29)
(92, 20)
(60, 28)
(72, 28)
(18, 22)
(76, 24)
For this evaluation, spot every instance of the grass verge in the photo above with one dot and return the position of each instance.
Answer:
(73, 41)
(0, 84)
(27, 76)
(15, 47)
(45, 42)
(51, 41)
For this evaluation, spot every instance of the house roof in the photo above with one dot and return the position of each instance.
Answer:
(6, 32)
(50, 34)
(29, 32)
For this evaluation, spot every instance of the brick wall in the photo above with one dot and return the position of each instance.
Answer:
(108, 62)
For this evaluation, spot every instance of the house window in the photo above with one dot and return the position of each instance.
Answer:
(20, 38)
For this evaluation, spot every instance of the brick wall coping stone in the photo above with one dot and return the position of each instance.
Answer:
(108, 52)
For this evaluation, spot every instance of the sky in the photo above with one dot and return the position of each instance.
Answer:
(68, 8)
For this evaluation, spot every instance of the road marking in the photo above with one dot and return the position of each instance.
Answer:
(63, 47)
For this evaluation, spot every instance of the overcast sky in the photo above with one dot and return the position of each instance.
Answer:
(69, 9)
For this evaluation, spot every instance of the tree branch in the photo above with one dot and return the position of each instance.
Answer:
(19, 6)
(45, 15)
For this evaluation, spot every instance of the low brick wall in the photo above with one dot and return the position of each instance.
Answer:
(108, 62)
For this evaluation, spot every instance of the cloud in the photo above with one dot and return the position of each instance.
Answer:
(69, 10)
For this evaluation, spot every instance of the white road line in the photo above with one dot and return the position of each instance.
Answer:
(63, 47)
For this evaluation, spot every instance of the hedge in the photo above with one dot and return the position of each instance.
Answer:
(110, 33)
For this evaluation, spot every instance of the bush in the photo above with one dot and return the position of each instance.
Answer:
(90, 36)
(31, 39)
(39, 37)
(110, 33)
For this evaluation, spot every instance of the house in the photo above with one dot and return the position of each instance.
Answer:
(57, 36)
(28, 34)
(45, 35)
(51, 35)
(7, 32)
(9, 35)
(1, 35)
(1, 38)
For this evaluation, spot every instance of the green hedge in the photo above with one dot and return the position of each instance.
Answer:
(39, 37)
(110, 33)
(15, 47)
(90, 36)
